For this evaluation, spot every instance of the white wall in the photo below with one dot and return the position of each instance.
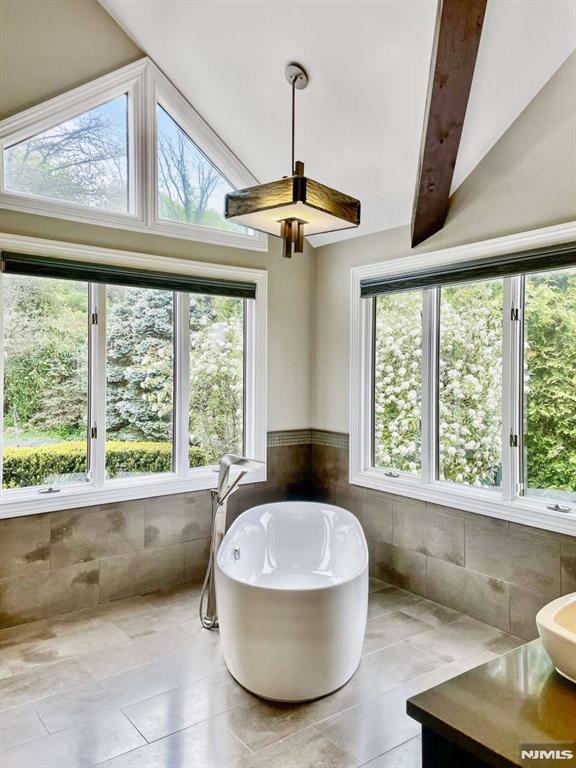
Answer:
(527, 181)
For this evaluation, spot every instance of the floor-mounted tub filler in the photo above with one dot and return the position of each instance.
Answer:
(292, 596)
(227, 484)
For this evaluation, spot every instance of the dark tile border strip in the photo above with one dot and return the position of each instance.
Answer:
(289, 437)
(333, 439)
(308, 437)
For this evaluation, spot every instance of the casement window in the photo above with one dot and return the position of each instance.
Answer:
(125, 151)
(463, 381)
(123, 382)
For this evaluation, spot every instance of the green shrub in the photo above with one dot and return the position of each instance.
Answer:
(35, 465)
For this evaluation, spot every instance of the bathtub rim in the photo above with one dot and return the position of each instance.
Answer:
(355, 575)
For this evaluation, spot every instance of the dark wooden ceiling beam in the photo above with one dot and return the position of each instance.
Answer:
(456, 41)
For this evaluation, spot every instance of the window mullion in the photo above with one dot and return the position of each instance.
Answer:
(97, 384)
(1, 383)
(430, 339)
(181, 381)
(511, 387)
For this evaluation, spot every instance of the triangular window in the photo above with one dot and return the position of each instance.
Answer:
(82, 161)
(191, 189)
(126, 151)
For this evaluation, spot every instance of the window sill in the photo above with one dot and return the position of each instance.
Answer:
(18, 503)
(130, 221)
(476, 500)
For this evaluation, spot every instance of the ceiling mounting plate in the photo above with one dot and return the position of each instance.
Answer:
(296, 74)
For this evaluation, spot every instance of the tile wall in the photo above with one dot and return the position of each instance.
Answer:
(62, 561)
(495, 571)
(499, 572)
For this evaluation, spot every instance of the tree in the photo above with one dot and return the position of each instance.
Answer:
(140, 366)
(46, 356)
(83, 160)
(139, 394)
(550, 380)
(187, 178)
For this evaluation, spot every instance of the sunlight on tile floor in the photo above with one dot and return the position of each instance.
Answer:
(137, 683)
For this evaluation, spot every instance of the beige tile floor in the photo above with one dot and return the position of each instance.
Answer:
(138, 684)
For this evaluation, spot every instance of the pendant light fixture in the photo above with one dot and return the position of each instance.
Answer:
(293, 206)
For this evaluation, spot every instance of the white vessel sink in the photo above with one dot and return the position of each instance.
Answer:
(557, 627)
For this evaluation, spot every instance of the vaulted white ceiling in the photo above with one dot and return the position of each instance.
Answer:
(360, 120)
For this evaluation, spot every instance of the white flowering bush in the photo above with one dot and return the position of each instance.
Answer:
(216, 374)
(470, 382)
(398, 381)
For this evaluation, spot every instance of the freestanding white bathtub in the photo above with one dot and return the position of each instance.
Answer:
(292, 595)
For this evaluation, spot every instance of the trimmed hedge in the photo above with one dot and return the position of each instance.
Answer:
(36, 465)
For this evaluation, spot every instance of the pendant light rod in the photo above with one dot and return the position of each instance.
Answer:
(293, 123)
(297, 78)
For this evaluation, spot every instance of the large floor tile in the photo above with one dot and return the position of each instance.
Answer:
(390, 628)
(97, 637)
(11, 636)
(111, 611)
(407, 755)
(430, 612)
(198, 661)
(375, 584)
(19, 725)
(390, 666)
(160, 670)
(139, 652)
(266, 722)
(462, 637)
(169, 608)
(83, 745)
(380, 724)
(30, 686)
(374, 726)
(206, 745)
(389, 599)
(307, 749)
(98, 697)
(263, 723)
(176, 596)
(182, 707)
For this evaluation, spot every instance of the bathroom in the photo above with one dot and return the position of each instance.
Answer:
(397, 370)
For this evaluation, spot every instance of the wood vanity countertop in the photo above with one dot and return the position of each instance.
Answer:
(518, 698)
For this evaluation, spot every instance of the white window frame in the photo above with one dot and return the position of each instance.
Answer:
(28, 501)
(503, 503)
(145, 86)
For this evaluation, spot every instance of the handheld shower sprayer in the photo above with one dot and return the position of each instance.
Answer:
(220, 496)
